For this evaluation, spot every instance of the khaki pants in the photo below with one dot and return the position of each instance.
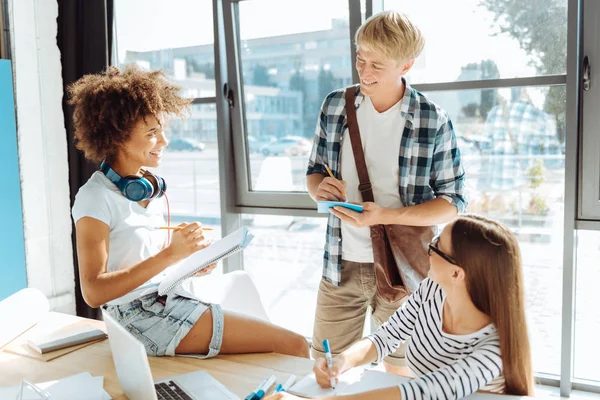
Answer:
(341, 311)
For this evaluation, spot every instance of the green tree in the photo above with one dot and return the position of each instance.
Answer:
(540, 27)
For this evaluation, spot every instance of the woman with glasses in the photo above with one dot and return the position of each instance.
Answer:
(466, 322)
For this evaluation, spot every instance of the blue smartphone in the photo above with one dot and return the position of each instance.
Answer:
(324, 206)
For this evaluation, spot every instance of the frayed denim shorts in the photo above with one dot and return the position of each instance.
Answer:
(161, 323)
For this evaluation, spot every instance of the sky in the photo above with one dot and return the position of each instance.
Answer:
(457, 32)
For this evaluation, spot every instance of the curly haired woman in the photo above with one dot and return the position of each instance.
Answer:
(119, 119)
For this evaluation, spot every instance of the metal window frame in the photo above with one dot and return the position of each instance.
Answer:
(570, 195)
(589, 195)
(230, 218)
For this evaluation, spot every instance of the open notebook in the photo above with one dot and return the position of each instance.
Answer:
(223, 248)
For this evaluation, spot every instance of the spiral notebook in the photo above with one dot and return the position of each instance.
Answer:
(223, 248)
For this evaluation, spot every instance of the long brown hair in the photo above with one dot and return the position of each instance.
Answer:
(489, 253)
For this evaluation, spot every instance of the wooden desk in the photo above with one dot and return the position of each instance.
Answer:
(239, 373)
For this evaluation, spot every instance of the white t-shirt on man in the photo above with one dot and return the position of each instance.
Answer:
(133, 238)
(380, 134)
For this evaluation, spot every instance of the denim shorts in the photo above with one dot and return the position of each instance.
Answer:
(161, 325)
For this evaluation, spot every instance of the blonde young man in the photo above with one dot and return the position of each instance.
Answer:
(414, 166)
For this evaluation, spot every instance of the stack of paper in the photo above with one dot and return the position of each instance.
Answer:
(308, 386)
(52, 322)
(82, 386)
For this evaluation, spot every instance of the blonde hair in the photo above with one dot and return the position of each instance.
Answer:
(392, 34)
(489, 253)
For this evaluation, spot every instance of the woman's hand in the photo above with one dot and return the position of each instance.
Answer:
(206, 270)
(372, 215)
(187, 240)
(324, 375)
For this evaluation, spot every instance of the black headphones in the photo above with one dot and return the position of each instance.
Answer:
(136, 188)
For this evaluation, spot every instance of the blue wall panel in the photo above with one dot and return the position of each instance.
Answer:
(12, 248)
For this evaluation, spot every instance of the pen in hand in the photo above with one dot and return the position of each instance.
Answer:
(329, 361)
(331, 175)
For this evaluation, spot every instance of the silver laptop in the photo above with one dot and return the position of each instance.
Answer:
(133, 371)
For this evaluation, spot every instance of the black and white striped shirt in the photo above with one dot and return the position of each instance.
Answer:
(446, 366)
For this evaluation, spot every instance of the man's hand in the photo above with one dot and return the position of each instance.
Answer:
(372, 215)
(331, 189)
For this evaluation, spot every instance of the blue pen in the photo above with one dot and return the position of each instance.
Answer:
(329, 360)
(286, 385)
(265, 388)
(253, 394)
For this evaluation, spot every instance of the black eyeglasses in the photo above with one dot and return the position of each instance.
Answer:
(433, 247)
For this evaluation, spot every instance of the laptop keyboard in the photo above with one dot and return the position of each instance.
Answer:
(170, 391)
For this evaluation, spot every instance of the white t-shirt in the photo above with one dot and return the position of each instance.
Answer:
(380, 134)
(132, 237)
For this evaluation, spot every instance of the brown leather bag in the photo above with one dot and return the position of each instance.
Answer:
(400, 252)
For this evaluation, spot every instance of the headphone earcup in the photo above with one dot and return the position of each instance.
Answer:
(158, 183)
(136, 189)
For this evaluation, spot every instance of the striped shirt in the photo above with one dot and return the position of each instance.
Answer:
(446, 366)
(428, 157)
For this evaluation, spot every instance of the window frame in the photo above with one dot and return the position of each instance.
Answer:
(589, 183)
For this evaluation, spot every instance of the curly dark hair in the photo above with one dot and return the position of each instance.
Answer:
(107, 106)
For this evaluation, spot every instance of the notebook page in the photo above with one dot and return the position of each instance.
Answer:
(194, 263)
(373, 380)
(309, 388)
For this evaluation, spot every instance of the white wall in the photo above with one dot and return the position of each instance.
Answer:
(42, 145)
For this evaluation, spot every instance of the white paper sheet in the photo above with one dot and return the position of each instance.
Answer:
(309, 388)
(82, 386)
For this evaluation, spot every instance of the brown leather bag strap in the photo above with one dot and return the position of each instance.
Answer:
(364, 187)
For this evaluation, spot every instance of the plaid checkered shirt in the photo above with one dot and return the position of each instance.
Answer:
(429, 160)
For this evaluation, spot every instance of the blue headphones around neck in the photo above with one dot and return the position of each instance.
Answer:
(136, 188)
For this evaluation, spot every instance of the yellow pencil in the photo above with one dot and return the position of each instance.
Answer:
(331, 175)
(176, 228)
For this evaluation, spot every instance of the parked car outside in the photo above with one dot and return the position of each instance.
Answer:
(255, 144)
(185, 144)
(289, 146)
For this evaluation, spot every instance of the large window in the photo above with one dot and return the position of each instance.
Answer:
(487, 39)
(286, 67)
(502, 69)
(514, 163)
(177, 37)
(287, 70)
(512, 138)
(285, 262)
